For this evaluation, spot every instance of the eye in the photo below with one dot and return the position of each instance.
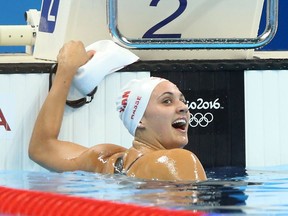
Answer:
(167, 101)
(183, 100)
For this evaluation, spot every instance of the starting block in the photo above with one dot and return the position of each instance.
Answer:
(62, 21)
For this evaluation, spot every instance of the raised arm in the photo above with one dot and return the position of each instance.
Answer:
(45, 148)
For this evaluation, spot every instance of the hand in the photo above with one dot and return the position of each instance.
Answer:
(73, 55)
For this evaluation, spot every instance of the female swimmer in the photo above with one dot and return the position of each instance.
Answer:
(152, 109)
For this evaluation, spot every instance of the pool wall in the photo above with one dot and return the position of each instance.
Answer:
(247, 107)
(266, 102)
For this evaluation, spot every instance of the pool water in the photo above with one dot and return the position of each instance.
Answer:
(228, 190)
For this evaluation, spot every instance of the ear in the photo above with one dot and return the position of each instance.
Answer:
(141, 125)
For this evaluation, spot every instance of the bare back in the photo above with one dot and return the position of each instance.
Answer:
(174, 164)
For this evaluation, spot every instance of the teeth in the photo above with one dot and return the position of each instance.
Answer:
(180, 121)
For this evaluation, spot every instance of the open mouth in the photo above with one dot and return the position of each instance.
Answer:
(179, 124)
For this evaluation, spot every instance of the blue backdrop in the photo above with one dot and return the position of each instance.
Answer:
(280, 41)
(12, 13)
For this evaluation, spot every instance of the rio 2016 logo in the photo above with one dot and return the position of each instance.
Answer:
(202, 119)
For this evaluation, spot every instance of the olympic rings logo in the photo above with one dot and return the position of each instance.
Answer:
(200, 119)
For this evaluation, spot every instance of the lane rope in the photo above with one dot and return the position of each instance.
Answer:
(30, 203)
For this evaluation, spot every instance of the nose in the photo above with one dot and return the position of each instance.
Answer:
(182, 108)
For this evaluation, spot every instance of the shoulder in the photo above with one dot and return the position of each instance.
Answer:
(101, 158)
(176, 152)
(174, 164)
(174, 155)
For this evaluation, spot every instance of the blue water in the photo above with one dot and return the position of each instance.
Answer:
(228, 190)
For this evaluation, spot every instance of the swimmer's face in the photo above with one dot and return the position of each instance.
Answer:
(166, 117)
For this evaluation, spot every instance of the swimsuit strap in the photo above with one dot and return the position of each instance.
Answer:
(119, 165)
(134, 162)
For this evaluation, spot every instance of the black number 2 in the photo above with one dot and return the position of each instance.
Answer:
(151, 32)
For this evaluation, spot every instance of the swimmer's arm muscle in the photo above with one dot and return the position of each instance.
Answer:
(44, 147)
(47, 150)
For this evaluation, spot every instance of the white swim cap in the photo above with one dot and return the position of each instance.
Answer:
(109, 57)
(133, 100)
